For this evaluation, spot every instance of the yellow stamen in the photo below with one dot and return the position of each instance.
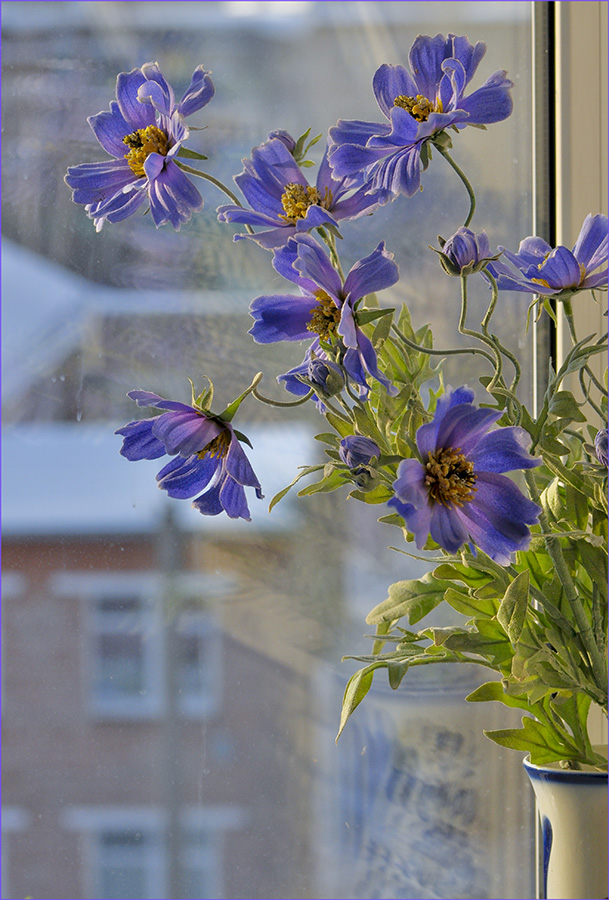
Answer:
(143, 142)
(297, 198)
(450, 477)
(324, 317)
(419, 107)
(218, 446)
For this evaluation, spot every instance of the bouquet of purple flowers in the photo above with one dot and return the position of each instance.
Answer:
(508, 503)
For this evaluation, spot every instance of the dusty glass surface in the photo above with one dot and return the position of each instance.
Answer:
(172, 683)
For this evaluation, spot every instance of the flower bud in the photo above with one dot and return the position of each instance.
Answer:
(325, 377)
(356, 450)
(285, 137)
(600, 446)
(465, 252)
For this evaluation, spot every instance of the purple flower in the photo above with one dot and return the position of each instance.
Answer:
(457, 492)
(558, 272)
(282, 201)
(327, 307)
(144, 131)
(419, 106)
(207, 455)
(600, 446)
(465, 252)
(356, 450)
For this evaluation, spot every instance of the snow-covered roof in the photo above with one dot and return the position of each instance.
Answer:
(66, 479)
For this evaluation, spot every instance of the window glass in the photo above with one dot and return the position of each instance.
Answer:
(156, 659)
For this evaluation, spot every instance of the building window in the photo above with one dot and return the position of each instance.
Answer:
(126, 660)
(198, 660)
(126, 857)
(138, 651)
(127, 851)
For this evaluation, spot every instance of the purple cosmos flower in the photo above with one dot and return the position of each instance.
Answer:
(208, 455)
(558, 272)
(327, 307)
(356, 450)
(418, 105)
(143, 131)
(283, 202)
(465, 252)
(601, 447)
(457, 493)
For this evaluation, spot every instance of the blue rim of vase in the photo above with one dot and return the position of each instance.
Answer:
(564, 776)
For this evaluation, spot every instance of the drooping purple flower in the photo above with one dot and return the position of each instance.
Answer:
(208, 459)
(327, 307)
(144, 131)
(465, 252)
(456, 491)
(601, 447)
(282, 201)
(556, 272)
(419, 105)
(356, 450)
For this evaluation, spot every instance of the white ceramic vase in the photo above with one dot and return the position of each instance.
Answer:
(572, 809)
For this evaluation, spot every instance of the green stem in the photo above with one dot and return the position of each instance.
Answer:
(204, 175)
(281, 403)
(507, 353)
(464, 179)
(431, 352)
(330, 242)
(584, 627)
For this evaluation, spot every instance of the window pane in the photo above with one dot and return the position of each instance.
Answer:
(226, 644)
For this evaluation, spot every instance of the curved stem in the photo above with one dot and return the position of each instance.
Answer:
(281, 403)
(484, 325)
(222, 187)
(464, 179)
(432, 352)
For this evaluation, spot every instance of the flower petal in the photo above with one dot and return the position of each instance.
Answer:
(139, 441)
(183, 478)
(198, 93)
(281, 318)
(372, 273)
(173, 197)
(136, 114)
(110, 128)
(490, 103)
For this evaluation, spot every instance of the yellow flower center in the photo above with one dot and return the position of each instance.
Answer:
(218, 446)
(324, 317)
(142, 143)
(450, 477)
(419, 107)
(297, 198)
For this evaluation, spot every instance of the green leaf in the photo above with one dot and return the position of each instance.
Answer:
(330, 482)
(541, 742)
(414, 599)
(357, 687)
(363, 316)
(564, 406)
(492, 691)
(513, 607)
(469, 605)
(190, 154)
(488, 640)
(306, 470)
